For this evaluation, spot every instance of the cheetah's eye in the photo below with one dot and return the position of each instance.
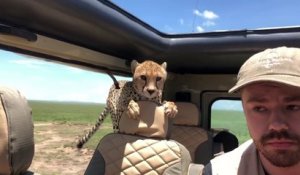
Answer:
(143, 77)
(158, 78)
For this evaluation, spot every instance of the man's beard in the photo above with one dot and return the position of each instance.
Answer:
(280, 158)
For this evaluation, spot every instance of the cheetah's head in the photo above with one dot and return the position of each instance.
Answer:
(149, 78)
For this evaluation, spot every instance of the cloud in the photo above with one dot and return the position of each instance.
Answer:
(75, 69)
(210, 15)
(199, 29)
(235, 105)
(28, 62)
(97, 92)
(209, 23)
(181, 21)
(197, 13)
(206, 14)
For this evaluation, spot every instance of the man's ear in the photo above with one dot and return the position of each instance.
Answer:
(164, 65)
(134, 64)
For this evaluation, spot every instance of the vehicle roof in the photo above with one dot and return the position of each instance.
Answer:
(104, 27)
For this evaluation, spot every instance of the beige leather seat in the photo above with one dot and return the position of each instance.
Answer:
(203, 145)
(141, 148)
(186, 131)
(16, 133)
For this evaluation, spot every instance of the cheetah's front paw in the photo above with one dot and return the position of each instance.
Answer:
(133, 111)
(170, 109)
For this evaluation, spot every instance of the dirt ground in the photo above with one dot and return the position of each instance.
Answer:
(55, 151)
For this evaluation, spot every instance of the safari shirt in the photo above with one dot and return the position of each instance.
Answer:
(243, 160)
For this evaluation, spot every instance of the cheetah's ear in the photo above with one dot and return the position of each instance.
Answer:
(134, 64)
(164, 65)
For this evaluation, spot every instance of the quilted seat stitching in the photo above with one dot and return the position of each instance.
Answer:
(150, 145)
(137, 151)
(188, 135)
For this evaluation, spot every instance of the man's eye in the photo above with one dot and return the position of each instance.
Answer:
(293, 107)
(158, 78)
(259, 109)
(143, 77)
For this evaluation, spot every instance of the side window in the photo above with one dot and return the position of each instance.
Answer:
(66, 102)
(228, 114)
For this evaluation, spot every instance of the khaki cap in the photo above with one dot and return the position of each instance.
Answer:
(281, 65)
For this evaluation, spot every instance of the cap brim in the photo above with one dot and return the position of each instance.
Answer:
(291, 80)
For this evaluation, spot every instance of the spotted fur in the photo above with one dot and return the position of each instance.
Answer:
(147, 84)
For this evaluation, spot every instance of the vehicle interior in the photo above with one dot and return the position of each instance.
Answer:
(100, 36)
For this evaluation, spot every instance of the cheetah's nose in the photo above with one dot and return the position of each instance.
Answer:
(150, 91)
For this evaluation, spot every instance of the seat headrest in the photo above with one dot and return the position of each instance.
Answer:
(152, 122)
(188, 114)
(16, 132)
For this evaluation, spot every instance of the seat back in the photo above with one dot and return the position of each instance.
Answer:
(140, 147)
(186, 131)
(16, 133)
(152, 123)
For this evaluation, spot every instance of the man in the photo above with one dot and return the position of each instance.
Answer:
(269, 83)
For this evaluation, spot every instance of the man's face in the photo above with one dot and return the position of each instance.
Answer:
(273, 118)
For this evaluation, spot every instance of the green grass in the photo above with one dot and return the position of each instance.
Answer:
(234, 121)
(72, 113)
(87, 113)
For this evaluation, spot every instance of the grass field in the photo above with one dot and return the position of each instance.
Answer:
(234, 121)
(72, 113)
(87, 114)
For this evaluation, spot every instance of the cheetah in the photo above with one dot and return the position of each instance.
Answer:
(147, 84)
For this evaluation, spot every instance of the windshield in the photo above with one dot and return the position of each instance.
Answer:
(200, 16)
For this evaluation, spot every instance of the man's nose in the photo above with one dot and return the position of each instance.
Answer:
(277, 121)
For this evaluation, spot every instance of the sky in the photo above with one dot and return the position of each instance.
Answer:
(40, 80)
(190, 16)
